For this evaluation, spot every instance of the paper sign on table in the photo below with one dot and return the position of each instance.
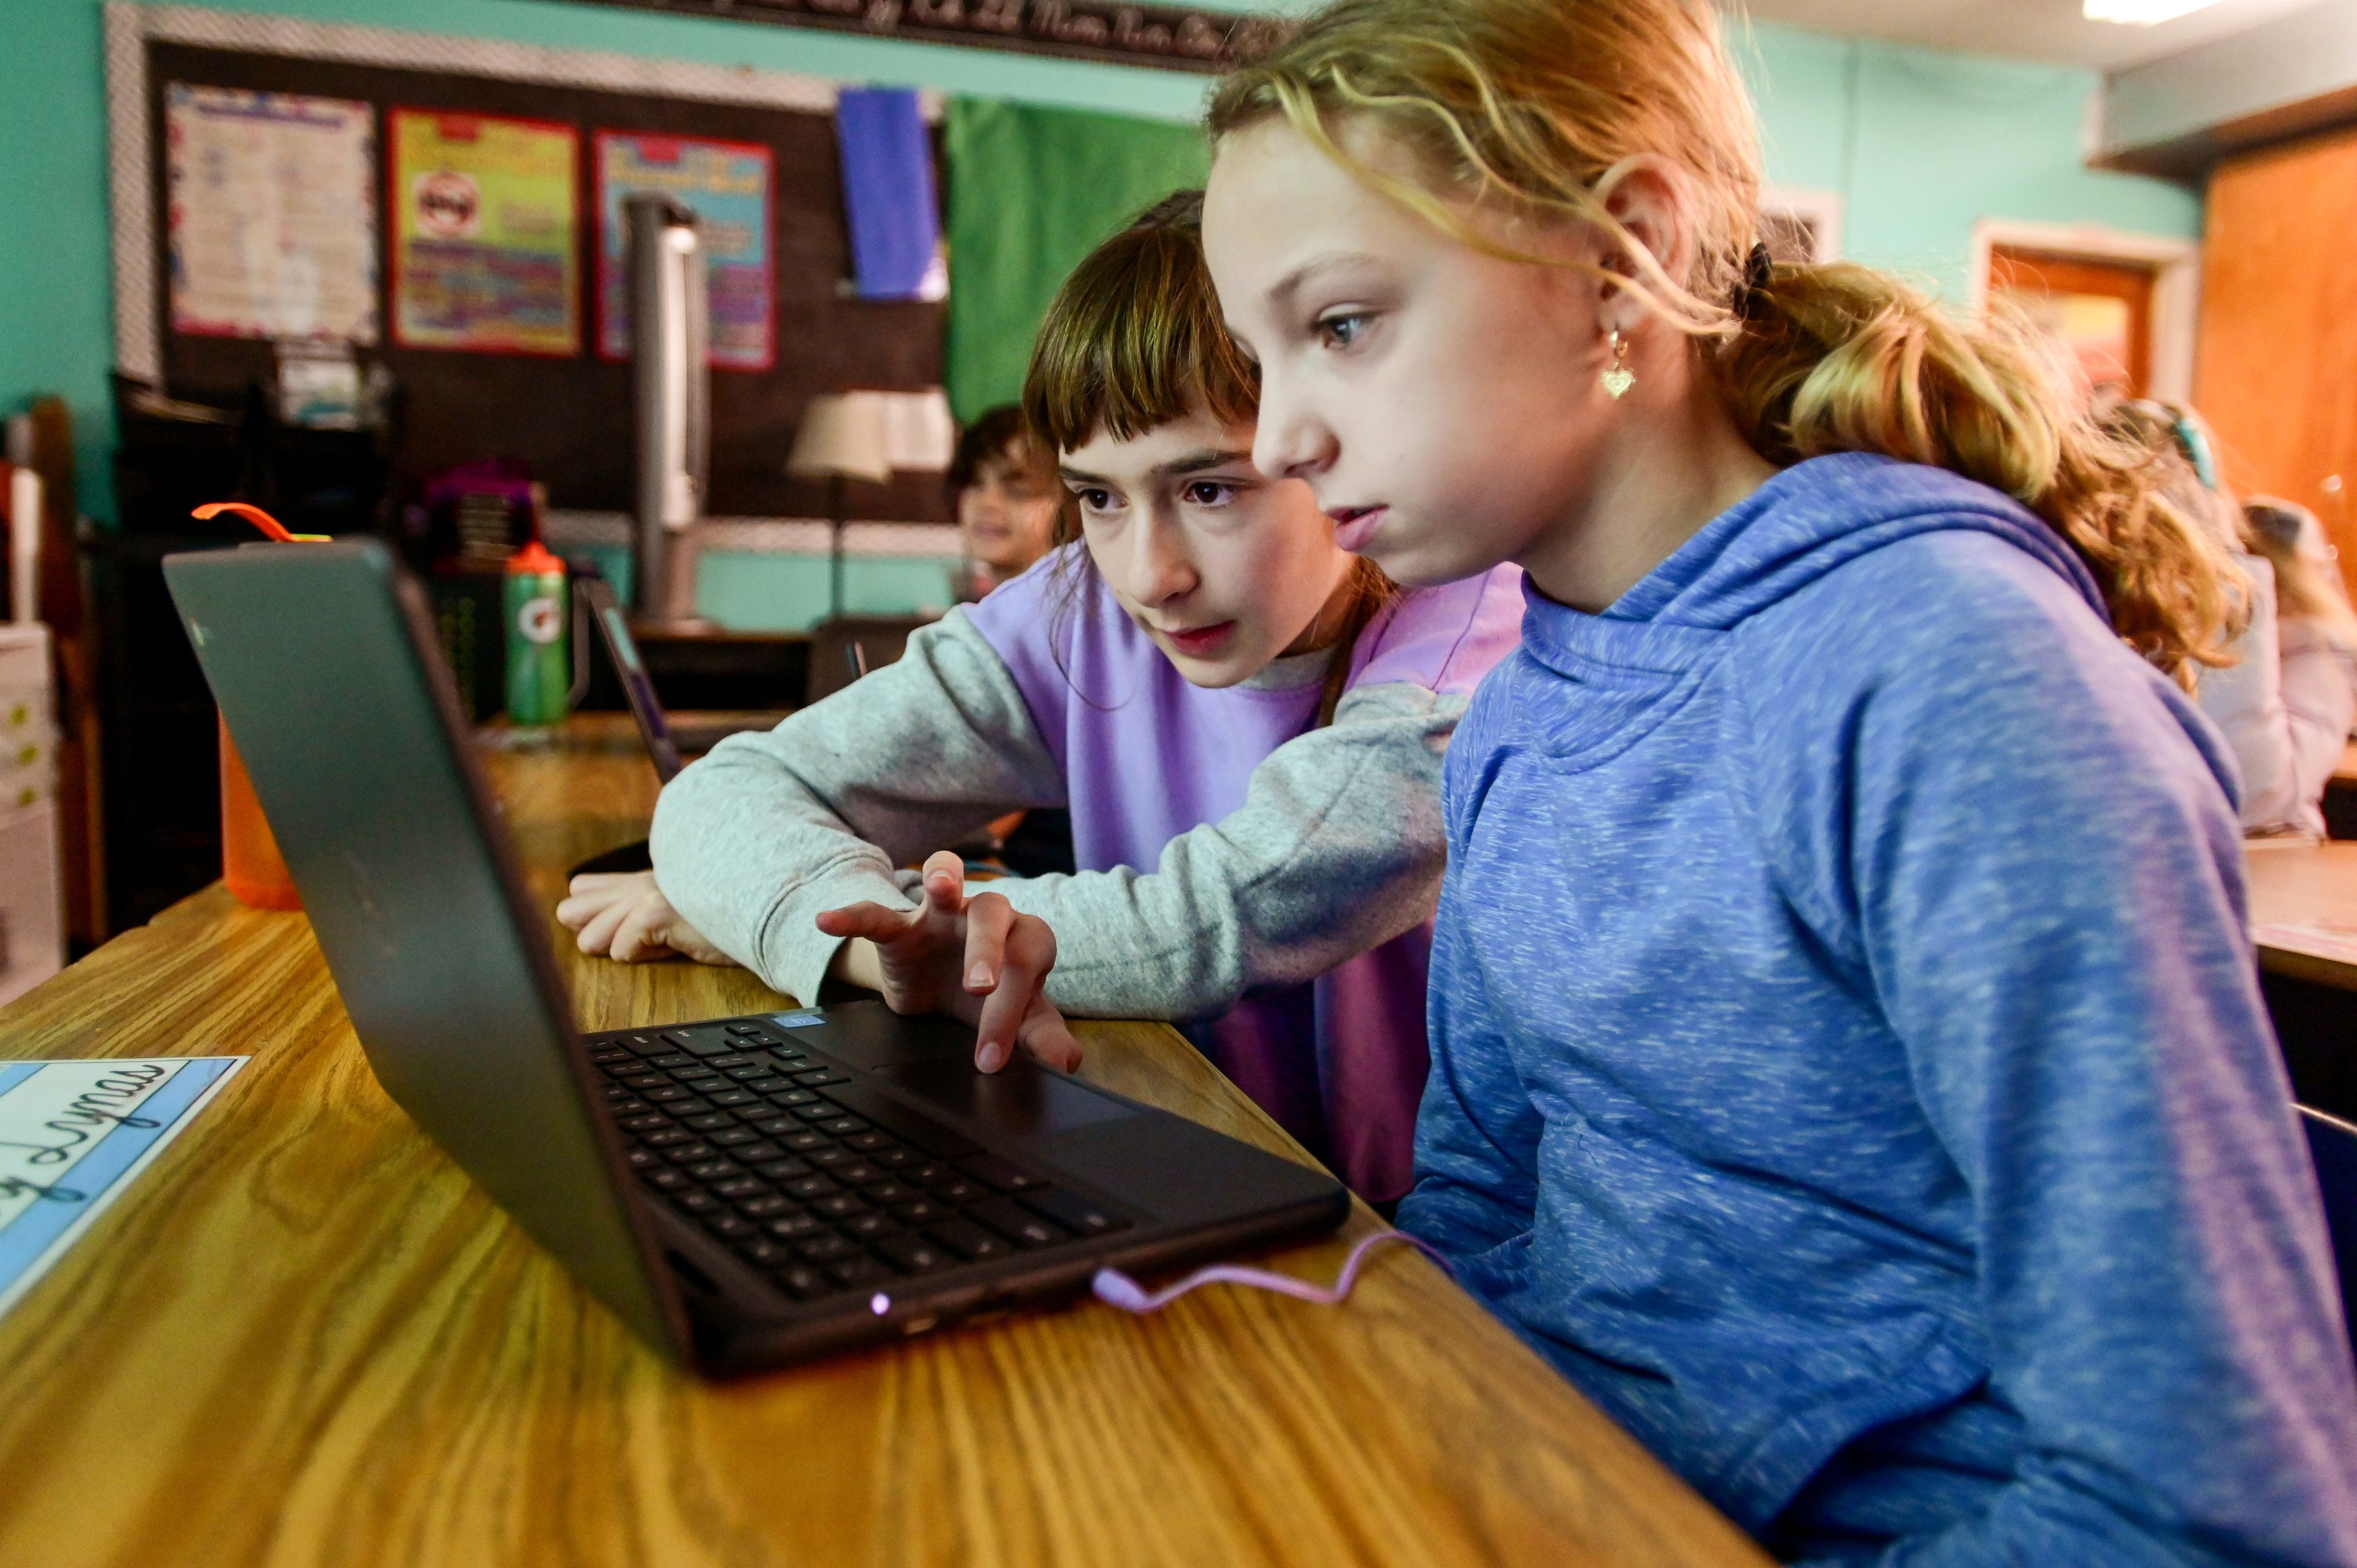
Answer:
(73, 1134)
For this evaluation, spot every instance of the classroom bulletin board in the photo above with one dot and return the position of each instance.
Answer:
(495, 291)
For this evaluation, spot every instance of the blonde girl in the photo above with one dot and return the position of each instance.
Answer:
(1847, 1062)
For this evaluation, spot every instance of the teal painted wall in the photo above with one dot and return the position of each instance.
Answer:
(782, 592)
(57, 330)
(1919, 143)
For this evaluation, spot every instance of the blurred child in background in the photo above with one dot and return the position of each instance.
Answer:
(2283, 698)
(2316, 637)
(1003, 483)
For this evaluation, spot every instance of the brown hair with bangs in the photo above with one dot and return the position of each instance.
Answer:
(1134, 341)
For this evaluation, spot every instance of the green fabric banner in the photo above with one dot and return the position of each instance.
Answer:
(1031, 191)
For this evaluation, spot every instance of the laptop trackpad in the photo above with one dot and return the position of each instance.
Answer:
(1021, 1099)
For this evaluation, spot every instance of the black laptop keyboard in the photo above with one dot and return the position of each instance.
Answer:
(817, 1181)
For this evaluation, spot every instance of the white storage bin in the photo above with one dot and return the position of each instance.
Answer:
(27, 737)
(27, 751)
(32, 926)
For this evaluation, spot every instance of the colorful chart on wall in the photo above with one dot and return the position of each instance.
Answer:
(727, 185)
(484, 227)
(272, 214)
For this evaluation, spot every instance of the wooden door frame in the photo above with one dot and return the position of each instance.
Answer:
(2175, 282)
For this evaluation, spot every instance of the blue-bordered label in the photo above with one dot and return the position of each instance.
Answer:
(73, 1134)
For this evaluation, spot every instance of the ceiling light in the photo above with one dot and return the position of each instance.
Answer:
(2142, 13)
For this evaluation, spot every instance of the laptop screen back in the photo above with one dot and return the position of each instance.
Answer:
(614, 632)
(325, 665)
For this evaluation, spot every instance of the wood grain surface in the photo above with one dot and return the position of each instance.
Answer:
(305, 1338)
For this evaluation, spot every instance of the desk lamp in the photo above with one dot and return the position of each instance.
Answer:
(844, 436)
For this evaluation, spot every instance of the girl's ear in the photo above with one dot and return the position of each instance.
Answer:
(1652, 200)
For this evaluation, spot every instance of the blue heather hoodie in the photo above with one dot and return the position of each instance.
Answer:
(1848, 1066)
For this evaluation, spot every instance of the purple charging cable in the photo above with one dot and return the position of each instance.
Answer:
(1117, 1289)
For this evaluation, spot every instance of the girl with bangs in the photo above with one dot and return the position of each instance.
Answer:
(1245, 724)
(1848, 1065)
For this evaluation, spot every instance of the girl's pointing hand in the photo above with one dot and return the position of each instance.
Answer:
(973, 958)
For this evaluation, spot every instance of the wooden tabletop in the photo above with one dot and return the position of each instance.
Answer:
(2304, 908)
(305, 1337)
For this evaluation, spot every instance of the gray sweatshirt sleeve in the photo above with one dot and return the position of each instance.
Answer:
(1336, 850)
(752, 842)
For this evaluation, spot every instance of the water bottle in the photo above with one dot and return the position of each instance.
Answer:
(539, 619)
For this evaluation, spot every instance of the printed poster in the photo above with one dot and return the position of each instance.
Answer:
(484, 226)
(74, 1136)
(727, 185)
(271, 214)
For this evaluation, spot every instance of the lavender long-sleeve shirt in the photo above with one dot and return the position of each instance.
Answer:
(1267, 883)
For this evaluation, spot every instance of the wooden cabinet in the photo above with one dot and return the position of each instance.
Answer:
(2276, 372)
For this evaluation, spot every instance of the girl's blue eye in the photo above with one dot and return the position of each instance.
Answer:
(1340, 331)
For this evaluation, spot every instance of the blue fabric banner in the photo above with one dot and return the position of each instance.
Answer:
(887, 194)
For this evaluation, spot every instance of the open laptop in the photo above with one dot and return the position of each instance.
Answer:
(664, 740)
(1042, 844)
(667, 737)
(743, 1191)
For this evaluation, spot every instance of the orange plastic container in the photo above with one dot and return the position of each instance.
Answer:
(251, 864)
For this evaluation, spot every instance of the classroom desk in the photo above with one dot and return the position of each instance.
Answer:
(2304, 920)
(2311, 885)
(305, 1338)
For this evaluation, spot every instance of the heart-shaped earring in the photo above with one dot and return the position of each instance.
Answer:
(1619, 377)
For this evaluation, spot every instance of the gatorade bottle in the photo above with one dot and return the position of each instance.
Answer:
(539, 614)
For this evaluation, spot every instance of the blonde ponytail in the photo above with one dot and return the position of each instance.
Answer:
(1524, 105)
(1834, 357)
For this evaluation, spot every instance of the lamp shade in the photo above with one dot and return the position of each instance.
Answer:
(847, 435)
